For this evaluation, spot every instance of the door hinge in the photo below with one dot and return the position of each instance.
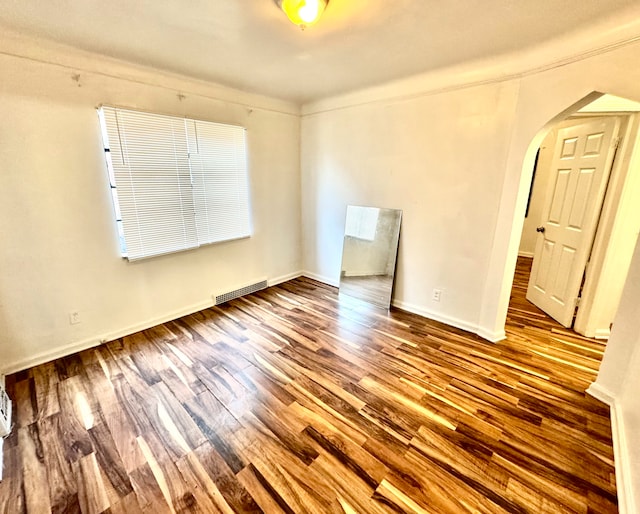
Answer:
(578, 300)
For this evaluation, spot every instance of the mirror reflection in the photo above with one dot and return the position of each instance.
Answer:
(369, 254)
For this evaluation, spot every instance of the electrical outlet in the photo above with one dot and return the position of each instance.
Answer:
(437, 294)
(74, 317)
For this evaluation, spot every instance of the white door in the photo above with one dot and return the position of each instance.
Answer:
(581, 164)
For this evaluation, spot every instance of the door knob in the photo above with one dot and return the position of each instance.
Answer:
(540, 229)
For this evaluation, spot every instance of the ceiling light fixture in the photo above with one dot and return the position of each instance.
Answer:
(303, 12)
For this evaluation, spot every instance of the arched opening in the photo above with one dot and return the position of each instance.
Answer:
(516, 192)
(580, 224)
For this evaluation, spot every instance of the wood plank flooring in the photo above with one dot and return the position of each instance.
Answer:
(288, 401)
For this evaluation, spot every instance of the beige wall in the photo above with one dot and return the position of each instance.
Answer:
(59, 249)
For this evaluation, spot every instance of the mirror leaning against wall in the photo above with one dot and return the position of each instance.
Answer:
(369, 254)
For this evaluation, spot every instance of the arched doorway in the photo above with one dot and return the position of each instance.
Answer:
(566, 195)
(529, 133)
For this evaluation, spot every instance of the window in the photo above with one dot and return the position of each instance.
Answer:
(362, 222)
(176, 183)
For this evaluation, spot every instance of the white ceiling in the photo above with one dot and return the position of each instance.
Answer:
(250, 45)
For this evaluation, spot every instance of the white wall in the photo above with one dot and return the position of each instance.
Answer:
(59, 249)
(455, 151)
(451, 156)
(609, 71)
(439, 158)
(619, 381)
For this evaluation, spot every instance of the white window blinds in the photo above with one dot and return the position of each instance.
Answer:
(177, 183)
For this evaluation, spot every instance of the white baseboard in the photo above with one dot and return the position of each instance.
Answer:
(624, 483)
(77, 346)
(601, 393)
(365, 274)
(602, 333)
(42, 357)
(284, 278)
(447, 320)
(526, 254)
(491, 335)
(321, 278)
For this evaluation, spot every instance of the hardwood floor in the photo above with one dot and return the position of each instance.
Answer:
(287, 401)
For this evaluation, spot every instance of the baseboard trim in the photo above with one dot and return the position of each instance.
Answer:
(42, 357)
(436, 316)
(526, 254)
(284, 278)
(85, 344)
(624, 484)
(601, 393)
(321, 278)
(602, 333)
(94, 341)
(490, 335)
(364, 274)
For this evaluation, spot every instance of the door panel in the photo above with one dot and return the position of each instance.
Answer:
(567, 261)
(581, 165)
(542, 277)
(580, 199)
(562, 183)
